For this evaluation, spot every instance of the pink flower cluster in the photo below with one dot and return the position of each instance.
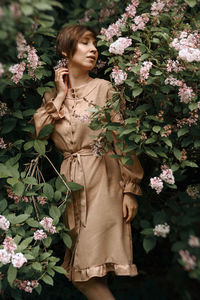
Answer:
(2, 144)
(185, 92)
(119, 46)
(140, 22)
(24, 52)
(9, 244)
(15, 10)
(193, 191)
(194, 241)
(115, 28)
(156, 184)
(144, 71)
(167, 130)
(17, 70)
(161, 230)
(188, 260)
(42, 200)
(7, 254)
(1, 13)
(47, 225)
(118, 75)
(87, 16)
(160, 6)
(4, 223)
(131, 9)
(166, 175)
(16, 198)
(26, 285)
(188, 46)
(174, 66)
(192, 120)
(3, 109)
(1, 70)
(39, 235)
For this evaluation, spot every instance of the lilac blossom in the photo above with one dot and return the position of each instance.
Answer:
(160, 6)
(188, 260)
(5, 256)
(193, 192)
(119, 46)
(47, 225)
(17, 71)
(186, 93)
(140, 22)
(156, 184)
(144, 70)
(2, 144)
(118, 75)
(9, 245)
(3, 109)
(39, 235)
(15, 9)
(161, 230)
(194, 241)
(26, 285)
(4, 223)
(167, 174)
(18, 260)
(174, 66)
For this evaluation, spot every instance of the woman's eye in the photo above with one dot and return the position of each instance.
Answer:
(85, 43)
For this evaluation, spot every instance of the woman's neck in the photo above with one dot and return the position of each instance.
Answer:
(77, 77)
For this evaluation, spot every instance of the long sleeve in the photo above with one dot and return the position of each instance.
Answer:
(131, 174)
(47, 114)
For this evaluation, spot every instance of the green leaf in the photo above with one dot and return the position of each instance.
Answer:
(30, 180)
(28, 145)
(182, 131)
(21, 218)
(74, 186)
(4, 171)
(67, 240)
(3, 205)
(147, 231)
(150, 152)
(57, 195)
(48, 191)
(12, 181)
(177, 153)
(178, 246)
(54, 212)
(38, 289)
(37, 266)
(149, 243)
(24, 244)
(27, 9)
(18, 188)
(32, 222)
(13, 160)
(191, 3)
(46, 131)
(12, 274)
(47, 279)
(47, 241)
(8, 125)
(39, 146)
(167, 141)
(136, 92)
(60, 186)
(187, 163)
(156, 129)
(60, 270)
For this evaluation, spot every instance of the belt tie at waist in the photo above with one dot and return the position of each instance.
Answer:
(74, 161)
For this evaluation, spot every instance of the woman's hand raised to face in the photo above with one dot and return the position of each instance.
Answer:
(130, 207)
(62, 81)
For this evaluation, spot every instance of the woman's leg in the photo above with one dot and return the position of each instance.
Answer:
(95, 289)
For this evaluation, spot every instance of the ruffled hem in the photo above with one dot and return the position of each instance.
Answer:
(100, 271)
(53, 112)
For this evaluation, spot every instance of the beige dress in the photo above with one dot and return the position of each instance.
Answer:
(102, 241)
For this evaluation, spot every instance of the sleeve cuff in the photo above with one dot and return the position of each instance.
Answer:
(53, 112)
(131, 187)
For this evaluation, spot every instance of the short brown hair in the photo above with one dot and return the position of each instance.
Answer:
(68, 37)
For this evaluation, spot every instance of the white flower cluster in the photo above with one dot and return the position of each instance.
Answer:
(166, 175)
(161, 230)
(4, 223)
(7, 254)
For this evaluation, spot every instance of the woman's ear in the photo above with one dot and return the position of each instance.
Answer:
(64, 53)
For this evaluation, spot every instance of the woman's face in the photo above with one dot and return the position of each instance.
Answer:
(86, 53)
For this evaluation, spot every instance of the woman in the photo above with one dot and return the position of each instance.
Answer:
(99, 215)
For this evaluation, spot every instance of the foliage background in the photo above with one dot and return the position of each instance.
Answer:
(161, 272)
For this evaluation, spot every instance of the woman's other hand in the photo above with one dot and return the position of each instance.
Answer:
(130, 207)
(62, 81)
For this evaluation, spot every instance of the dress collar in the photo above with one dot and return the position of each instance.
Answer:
(82, 91)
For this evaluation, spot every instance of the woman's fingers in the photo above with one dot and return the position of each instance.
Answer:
(124, 210)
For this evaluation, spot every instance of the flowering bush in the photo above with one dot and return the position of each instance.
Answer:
(150, 51)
